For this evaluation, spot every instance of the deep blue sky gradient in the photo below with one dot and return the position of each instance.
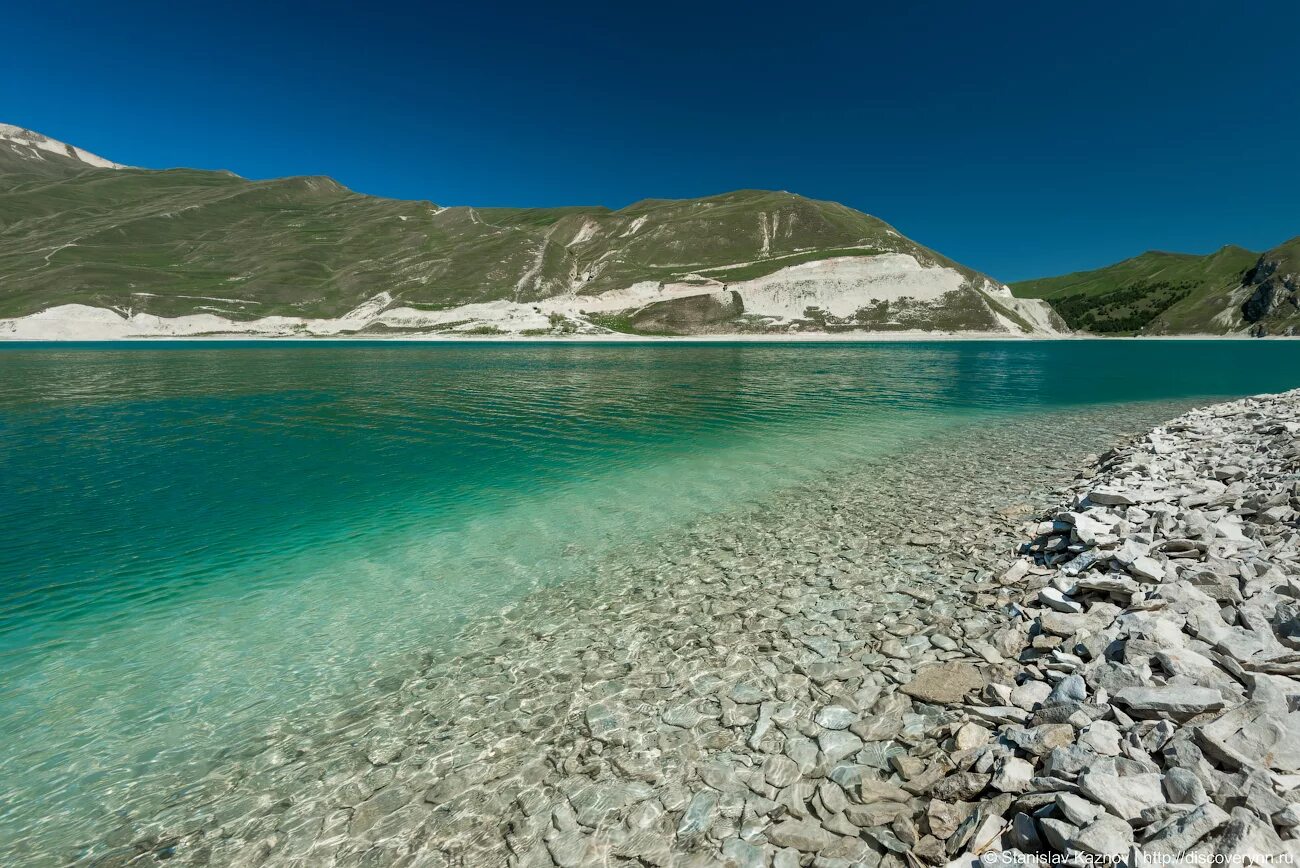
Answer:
(1020, 138)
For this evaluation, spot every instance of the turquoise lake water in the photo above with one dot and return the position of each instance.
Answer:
(202, 542)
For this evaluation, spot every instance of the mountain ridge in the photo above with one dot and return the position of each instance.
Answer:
(304, 254)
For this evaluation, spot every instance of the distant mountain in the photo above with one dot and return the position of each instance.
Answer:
(1154, 293)
(90, 248)
(1229, 291)
(25, 151)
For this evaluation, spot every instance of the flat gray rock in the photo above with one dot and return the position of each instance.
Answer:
(1031, 694)
(1054, 599)
(1125, 797)
(1013, 776)
(944, 683)
(699, 814)
(1106, 836)
(780, 771)
(806, 836)
(1258, 733)
(1181, 835)
(743, 854)
(1078, 810)
(837, 745)
(1177, 702)
(835, 717)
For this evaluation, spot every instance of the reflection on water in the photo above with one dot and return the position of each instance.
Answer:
(201, 543)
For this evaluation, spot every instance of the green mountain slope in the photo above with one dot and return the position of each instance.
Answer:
(1154, 293)
(78, 230)
(153, 241)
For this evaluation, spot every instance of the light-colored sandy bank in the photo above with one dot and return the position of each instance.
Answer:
(775, 306)
(900, 336)
(506, 321)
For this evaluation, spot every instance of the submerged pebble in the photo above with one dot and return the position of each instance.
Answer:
(857, 672)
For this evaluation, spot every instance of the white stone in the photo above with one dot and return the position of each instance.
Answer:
(1054, 599)
(1147, 568)
(1125, 797)
(1013, 775)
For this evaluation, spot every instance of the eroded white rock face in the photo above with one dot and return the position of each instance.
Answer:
(838, 286)
(1036, 312)
(842, 285)
(68, 322)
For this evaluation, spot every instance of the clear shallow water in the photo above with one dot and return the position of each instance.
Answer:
(202, 544)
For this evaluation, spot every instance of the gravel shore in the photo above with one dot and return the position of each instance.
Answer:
(1151, 713)
(933, 665)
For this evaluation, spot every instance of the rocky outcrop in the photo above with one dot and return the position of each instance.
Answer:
(688, 315)
(1271, 291)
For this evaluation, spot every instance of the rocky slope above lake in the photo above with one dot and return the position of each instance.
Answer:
(1270, 292)
(1230, 291)
(93, 249)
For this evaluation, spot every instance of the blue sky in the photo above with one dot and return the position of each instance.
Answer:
(1020, 138)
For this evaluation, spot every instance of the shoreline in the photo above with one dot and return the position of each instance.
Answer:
(747, 696)
(1153, 718)
(902, 663)
(620, 338)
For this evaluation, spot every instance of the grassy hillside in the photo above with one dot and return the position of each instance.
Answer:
(79, 229)
(175, 241)
(185, 241)
(1154, 293)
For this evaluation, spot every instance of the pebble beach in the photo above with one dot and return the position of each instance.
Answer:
(1010, 648)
